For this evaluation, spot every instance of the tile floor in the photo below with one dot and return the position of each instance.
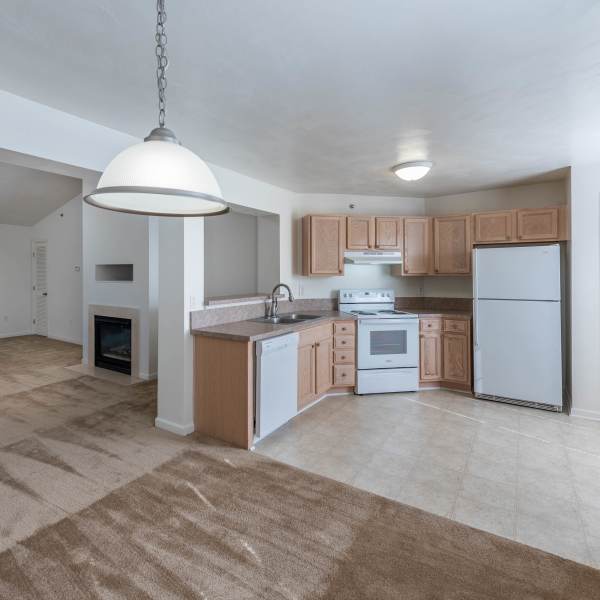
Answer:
(521, 473)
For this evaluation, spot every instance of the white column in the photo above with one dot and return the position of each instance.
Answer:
(180, 289)
(585, 290)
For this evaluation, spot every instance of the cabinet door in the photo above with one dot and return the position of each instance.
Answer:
(430, 357)
(494, 227)
(537, 224)
(456, 358)
(359, 233)
(452, 245)
(388, 233)
(323, 368)
(324, 240)
(306, 375)
(417, 246)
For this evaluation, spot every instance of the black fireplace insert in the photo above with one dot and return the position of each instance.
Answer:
(113, 343)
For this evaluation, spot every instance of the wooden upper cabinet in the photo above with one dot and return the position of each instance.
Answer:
(538, 224)
(388, 233)
(359, 233)
(452, 245)
(323, 243)
(417, 246)
(494, 227)
(457, 358)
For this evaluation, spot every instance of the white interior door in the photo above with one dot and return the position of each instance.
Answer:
(40, 288)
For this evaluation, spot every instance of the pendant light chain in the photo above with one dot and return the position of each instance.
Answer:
(162, 62)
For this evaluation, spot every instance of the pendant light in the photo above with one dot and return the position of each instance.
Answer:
(159, 176)
(412, 171)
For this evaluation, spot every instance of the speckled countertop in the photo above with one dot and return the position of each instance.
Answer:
(251, 331)
(455, 314)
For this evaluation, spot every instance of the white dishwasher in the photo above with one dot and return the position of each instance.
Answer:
(276, 381)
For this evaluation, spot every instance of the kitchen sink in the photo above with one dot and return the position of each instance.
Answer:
(287, 319)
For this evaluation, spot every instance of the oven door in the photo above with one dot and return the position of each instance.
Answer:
(388, 343)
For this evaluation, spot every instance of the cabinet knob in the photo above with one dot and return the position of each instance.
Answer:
(343, 374)
(317, 344)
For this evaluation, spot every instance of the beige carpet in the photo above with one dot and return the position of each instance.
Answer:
(99, 504)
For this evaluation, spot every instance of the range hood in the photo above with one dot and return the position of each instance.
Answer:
(373, 257)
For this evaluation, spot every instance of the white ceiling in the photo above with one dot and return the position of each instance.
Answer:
(28, 195)
(326, 95)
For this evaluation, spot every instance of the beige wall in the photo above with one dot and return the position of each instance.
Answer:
(533, 195)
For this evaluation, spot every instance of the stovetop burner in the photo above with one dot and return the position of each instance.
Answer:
(363, 312)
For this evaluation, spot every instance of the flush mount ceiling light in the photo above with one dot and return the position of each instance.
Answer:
(411, 171)
(159, 176)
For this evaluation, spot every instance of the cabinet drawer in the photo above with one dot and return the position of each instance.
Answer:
(314, 334)
(456, 325)
(430, 324)
(343, 356)
(342, 327)
(343, 375)
(343, 341)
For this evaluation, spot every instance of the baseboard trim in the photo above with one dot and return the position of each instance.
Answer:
(17, 334)
(148, 376)
(582, 413)
(174, 427)
(64, 339)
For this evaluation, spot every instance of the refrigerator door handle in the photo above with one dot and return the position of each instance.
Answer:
(475, 328)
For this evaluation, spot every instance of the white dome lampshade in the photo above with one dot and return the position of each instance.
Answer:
(159, 177)
(412, 171)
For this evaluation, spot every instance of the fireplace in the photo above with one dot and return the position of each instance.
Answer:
(112, 343)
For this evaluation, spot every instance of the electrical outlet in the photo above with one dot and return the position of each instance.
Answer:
(300, 291)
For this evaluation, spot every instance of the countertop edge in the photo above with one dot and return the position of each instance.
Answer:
(223, 331)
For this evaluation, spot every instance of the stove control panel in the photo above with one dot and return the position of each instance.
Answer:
(366, 296)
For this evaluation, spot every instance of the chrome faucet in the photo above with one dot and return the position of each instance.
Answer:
(274, 307)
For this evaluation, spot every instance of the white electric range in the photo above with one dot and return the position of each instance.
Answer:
(387, 342)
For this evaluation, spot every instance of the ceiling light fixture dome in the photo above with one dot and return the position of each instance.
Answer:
(159, 176)
(413, 170)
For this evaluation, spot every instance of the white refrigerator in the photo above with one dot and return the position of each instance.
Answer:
(517, 316)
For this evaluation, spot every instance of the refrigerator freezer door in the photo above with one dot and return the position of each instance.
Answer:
(518, 350)
(517, 272)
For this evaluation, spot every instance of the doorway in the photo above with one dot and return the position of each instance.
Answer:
(40, 288)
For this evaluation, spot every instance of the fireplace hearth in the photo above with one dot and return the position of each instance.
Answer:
(112, 343)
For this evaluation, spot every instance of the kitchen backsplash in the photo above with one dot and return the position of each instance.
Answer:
(434, 303)
(230, 314)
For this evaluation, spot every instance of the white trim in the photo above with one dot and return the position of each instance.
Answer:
(17, 334)
(583, 413)
(174, 427)
(64, 339)
(148, 376)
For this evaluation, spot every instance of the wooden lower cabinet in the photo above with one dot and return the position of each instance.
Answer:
(445, 352)
(344, 353)
(315, 356)
(306, 375)
(430, 357)
(456, 351)
(224, 389)
(323, 361)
